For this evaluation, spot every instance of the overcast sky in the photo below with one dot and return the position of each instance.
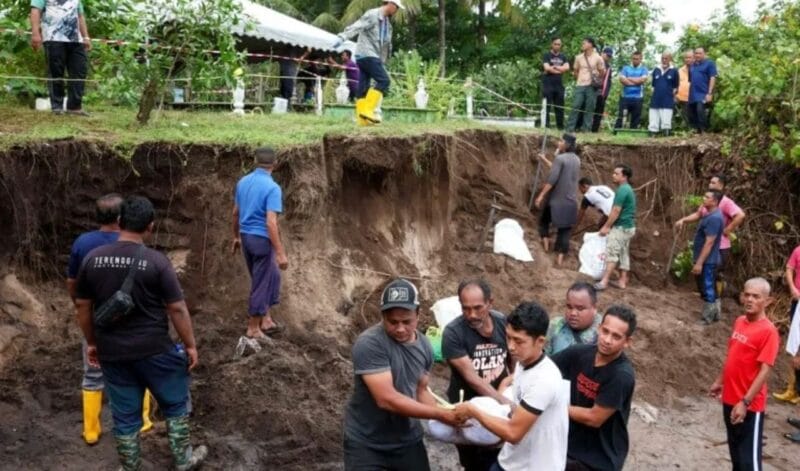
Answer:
(685, 12)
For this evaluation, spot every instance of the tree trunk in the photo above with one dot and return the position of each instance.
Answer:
(412, 31)
(442, 38)
(481, 23)
(147, 101)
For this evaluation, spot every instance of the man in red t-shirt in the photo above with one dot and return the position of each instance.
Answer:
(742, 384)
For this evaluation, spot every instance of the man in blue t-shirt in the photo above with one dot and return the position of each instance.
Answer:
(702, 79)
(633, 77)
(258, 202)
(707, 256)
(665, 85)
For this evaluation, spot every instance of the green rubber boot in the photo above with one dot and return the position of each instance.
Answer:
(129, 451)
(185, 456)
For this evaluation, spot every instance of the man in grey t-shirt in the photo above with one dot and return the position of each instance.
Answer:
(391, 362)
(558, 199)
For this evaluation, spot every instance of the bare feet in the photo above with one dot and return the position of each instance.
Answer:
(267, 323)
(617, 284)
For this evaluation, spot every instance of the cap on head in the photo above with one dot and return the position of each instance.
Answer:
(609, 52)
(400, 293)
(399, 3)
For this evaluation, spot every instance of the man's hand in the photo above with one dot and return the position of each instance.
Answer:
(709, 98)
(795, 293)
(87, 44)
(715, 390)
(463, 411)
(679, 224)
(538, 202)
(91, 356)
(36, 41)
(796, 362)
(604, 231)
(697, 269)
(283, 262)
(738, 413)
(236, 243)
(191, 353)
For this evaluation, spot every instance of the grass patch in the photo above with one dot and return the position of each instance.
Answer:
(118, 128)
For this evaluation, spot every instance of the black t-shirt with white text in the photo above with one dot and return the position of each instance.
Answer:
(556, 60)
(488, 355)
(611, 386)
(145, 331)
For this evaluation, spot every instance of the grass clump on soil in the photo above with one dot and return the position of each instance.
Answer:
(117, 127)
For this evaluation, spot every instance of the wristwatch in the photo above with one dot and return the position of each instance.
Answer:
(746, 402)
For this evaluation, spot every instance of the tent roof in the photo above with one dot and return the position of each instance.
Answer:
(270, 25)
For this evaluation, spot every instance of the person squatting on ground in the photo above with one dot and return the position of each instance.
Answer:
(682, 95)
(60, 26)
(258, 201)
(391, 366)
(558, 199)
(578, 325)
(136, 352)
(742, 384)
(662, 102)
(374, 47)
(555, 66)
(599, 197)
(602, 381)
(620, 229)
(589, 71)
(632, 77)
(792, 277)
(706, 257)
(107, 216)
(474, 345)
(535, 434)
(702, 79)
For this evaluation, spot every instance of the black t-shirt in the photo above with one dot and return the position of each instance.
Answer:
(488, 355)
(556, 60)
(145, 331)
(603, 448)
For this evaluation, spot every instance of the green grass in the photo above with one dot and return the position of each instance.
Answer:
(117, 127)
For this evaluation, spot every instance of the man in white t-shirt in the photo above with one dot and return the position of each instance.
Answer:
(599, 197)
(536, 433)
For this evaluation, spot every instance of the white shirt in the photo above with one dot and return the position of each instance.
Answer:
(540, 389)
(601, 197)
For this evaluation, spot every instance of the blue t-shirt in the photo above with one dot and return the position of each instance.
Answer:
(711, 225)
(257, 193)
(699, 80)
(633, 91)
(84, 244)
(664, 84)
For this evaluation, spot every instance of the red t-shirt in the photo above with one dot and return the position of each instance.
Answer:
(750, 345)
(794, 264)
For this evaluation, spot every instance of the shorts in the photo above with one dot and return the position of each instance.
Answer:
(618, 246)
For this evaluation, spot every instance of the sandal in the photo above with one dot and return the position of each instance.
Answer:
(275, 329)
(793, 422)
(599, 286)
(794, 437)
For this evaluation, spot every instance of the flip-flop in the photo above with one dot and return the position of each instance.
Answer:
(793, 422)
(616, 284)
(599, 287)
(794, 437)
(275, 329)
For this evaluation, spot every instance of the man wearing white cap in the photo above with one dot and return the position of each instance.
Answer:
(374, 46)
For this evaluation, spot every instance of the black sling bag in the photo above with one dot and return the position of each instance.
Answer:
(121, 303)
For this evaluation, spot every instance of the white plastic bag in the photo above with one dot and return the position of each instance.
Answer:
(793, 342)
(446, 310)
(593, 255)
(474, 433)
(509, 240)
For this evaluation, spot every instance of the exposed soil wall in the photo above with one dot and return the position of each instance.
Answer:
(356, 211)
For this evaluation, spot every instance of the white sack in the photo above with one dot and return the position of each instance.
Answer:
(475, 433)
(793, 342)
(446, 310)
(509, 240)
(593, 255)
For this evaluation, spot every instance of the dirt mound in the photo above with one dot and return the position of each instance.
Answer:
(357, 212)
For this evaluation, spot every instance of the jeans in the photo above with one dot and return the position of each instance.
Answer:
(707, 282)
(166, 375)
(92, 376)
(698, 116)
(288, 71)
(633, 106)
(583, 101)
(555, 104)
(71, 57)
(359, 457)
(371, 68)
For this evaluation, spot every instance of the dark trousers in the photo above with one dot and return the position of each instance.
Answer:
(562, 234)
(555, 104)
(707, 283)
(166, 375)
(477, 458)
(599, 108)
(744, 440)
(698, 116)
(634, 108)
(371, 68)
(575, 465)
(265, 277)
(69, 57)
(288, 71)
(496, 467)
(358, 457)
(583, 102)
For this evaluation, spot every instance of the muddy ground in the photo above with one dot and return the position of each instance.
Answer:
(357, 212)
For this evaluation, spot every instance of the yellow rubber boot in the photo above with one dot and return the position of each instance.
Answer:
(147, 423)
(360, 106)
(371, 103)
(790, 395)
(92, 405)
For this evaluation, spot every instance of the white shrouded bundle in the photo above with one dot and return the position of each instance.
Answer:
(593, 255)
(509, 239)
(793, 342)
(474, 433)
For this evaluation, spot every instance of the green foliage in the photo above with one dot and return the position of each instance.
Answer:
(692, 202)
(757, 99)
(682, 263)
(408, 68)
(519, 80)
